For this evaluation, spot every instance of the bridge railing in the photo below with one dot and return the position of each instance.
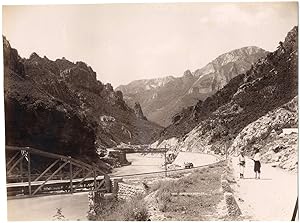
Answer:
(62, 173)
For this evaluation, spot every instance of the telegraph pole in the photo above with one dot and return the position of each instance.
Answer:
(166, 169)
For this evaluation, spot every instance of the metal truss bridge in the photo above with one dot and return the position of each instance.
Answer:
(55, 173)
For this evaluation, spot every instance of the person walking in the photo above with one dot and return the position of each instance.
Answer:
(242, 163)
(257, 164)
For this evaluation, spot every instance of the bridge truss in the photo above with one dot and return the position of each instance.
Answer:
(55, 173)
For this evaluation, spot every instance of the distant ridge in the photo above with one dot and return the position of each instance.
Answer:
(162, 98)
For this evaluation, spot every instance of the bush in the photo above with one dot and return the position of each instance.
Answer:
(164, 200)
(59, 216)
(163, 194)
(134, 209)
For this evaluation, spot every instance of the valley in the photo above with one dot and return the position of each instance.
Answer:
(163, 98)
(155, 149)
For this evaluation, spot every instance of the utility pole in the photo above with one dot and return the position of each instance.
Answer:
(226, 151)
(166, 169)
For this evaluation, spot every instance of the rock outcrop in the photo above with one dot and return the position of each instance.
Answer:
(162, 98)
(285, 116)
(281, 151)
(34, 117)
(138, 111)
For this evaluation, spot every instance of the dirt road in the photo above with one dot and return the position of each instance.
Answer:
(154, 162)
(141, 164)
(272, 197)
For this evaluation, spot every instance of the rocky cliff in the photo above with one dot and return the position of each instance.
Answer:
(162, 98)
(245, 110)
(60, 106)
(33, 117)
(138, 111)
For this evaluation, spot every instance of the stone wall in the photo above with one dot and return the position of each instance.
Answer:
(127, 191)
(233, 209)
(120, 191)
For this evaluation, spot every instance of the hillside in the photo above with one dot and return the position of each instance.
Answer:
(269, 88)
(60, 106)
(162, 98)
(267, 134)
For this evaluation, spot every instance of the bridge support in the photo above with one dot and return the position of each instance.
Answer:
(71, 178)
(29, 174)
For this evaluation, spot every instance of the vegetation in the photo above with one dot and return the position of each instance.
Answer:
(134, 209)
(59, 215)
(202, 187)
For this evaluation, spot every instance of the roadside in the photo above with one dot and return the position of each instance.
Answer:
(272, 197)
(197, 195)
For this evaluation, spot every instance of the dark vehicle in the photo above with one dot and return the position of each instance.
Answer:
(188, 165)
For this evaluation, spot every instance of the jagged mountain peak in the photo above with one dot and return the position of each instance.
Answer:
(243, 54)
(6, 43)
(237, 54)
(187, 73)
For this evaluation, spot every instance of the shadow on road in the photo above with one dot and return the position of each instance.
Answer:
(252, 178)
(142, 165)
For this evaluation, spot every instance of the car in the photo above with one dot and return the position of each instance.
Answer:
(188, 165)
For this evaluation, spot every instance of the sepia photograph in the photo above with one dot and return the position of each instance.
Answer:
(150, 111)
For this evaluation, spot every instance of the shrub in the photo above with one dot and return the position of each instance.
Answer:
(164, 199)
(59, 216)
(134, 209)
(163, 194)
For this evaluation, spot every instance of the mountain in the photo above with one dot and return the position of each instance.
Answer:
(162, 98)
(246, 110)
(60, 106)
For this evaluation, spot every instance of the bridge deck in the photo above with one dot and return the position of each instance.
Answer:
(51, 182)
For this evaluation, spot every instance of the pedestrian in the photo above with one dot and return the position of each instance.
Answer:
(242, 163)
(257, 164)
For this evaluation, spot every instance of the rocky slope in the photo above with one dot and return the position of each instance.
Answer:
(162, 98)
(60, 106)
(247, 109)
(285, 116)
(281, 151)
(266, 134)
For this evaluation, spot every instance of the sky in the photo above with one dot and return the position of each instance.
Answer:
(126, 42)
